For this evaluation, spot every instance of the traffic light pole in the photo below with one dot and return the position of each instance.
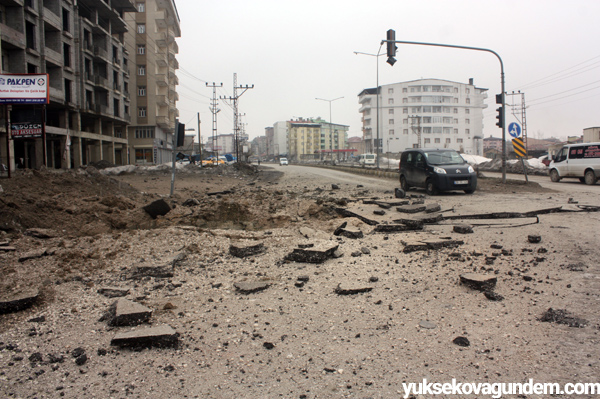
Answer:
(501, 80)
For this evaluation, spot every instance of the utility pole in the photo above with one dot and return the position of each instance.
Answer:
(214, 110)
(236, 125)
(523, 119)
(199, 141)
(416, 129)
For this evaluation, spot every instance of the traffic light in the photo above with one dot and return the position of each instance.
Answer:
(391, 47)
(180, 134)
(500, 117)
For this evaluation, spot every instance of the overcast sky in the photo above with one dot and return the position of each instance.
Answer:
(295, 51)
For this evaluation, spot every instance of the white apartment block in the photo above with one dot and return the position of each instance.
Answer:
(424, 113)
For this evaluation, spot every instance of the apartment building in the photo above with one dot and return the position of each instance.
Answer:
(424, 113)
(81, 46)
(151, 40)
(313, 139)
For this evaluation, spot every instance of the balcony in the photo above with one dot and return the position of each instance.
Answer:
(161, 79)
(12, 36)
(53, 56)
(161, 39)
(50, 18)
(162, 100)
(102, 109)
(100, 52)
(161, 19)
(101, 82)
(162, 122)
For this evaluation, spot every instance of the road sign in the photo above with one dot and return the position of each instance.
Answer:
(514, 129)
(519, 147)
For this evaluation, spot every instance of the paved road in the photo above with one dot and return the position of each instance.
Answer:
(298, 174)
(572, 186)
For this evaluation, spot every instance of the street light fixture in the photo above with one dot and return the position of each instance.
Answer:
(377, 94)
(330, 124)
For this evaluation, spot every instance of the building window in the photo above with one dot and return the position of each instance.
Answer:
(427, 141)
(141, 28)
(143, 155)
(415, 145)
(404, 90)
(468, 131)
(448, 141)
(390, 101)
(468, 100)
(144, 132)
(141, 49)
(30, 3)
(141, 70)
(65, 20)
(391, 122)
(467, 111)
(467, 121)
(68, 91)
(468, 90)
(142, 91)
(142, 112)
(405, 110)
(391, 111)
(391, 132)
(459, 140)
(455, 131)
(405, 131)
(390, 91)
(67, 54)
(141, 7)
(405, 100)
(30, 34)
(437, 141)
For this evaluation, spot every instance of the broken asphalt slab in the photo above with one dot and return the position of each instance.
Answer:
(19, 301)
(124, 312)
(162, 336)
(480, 282)
(431, 244)
(315, 254)
(244, 251)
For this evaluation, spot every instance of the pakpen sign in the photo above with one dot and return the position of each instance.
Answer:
(24, 89)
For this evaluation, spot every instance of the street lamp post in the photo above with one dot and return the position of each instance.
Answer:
(330, 124)
(377, 94)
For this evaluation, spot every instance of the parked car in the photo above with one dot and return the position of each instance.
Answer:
(213, 162)
(436, 169)
(283, 161)
(580, 161)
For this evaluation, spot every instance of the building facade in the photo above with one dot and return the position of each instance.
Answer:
(424, 113)
(154, 28)
(81, 46)
(312, 139)
(591, 135)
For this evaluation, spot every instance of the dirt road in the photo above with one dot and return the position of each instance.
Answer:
(379, 310)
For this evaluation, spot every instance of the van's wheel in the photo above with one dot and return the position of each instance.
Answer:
(430, 187)
(554, 176)
(469, 191)
(404, 184)
(590, 177)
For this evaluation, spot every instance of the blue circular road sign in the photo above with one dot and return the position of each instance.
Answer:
(514, 129)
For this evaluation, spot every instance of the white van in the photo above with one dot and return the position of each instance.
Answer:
(580, 161)
(367, 159)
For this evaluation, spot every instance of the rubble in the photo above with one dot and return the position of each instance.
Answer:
(113, 292)
(250, 287)
(347, 290)
(157, 208)
(240, 251)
